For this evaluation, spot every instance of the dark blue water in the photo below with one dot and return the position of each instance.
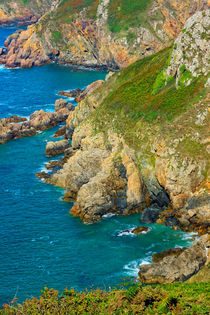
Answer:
(40, 243)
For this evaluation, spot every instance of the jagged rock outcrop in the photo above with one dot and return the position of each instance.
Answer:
(176, 268)
(190, 55)
(24, 12)
(86, 38)
(17, 127)
(57, 147)
(101, 178)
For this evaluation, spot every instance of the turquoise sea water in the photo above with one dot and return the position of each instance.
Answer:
(40, 243)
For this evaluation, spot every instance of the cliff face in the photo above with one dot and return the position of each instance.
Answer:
(141, 140)
(101, 34)
(24, 12)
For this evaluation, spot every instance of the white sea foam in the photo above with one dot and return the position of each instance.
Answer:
(129, 232)
(108, 215)
(126, 233)
(132, 268)
(189, 236)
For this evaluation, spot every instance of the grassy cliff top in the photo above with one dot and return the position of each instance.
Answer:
(137, 104)
(178, 298)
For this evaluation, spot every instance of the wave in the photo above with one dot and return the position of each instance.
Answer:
(3, 68)
(129, 232)
(108, 215)
(132, 268)
(126, 232)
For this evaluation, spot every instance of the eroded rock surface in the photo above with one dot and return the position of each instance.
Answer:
(57, 147)
(173, 268)
(89, 41)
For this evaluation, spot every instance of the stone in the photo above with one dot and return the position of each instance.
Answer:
(55, 148)
(175, 268)
(169, 252)
(150, 215)
(140, 230)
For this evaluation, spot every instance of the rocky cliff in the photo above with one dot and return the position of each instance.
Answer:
(24, 12)
(140, 140)
(102, 34)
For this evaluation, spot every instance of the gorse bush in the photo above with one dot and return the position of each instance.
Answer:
(178, 298)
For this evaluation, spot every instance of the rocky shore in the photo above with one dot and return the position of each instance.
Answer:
(103, 174)
(158, 165)
(17, 127)
(87, 39)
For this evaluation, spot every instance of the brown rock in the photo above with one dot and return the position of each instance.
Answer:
(42, 175)
(140, 230)
(169, 252)
(175, 268)
(55, 148)
(61, 132)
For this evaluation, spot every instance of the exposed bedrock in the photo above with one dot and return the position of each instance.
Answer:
(57, 147)
(101, 178)
(178, 266)
(17, 127)
(89, 42)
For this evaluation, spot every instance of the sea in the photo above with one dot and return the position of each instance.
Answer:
(41, 244)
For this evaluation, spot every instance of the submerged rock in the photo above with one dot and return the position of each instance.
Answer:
(175, 268)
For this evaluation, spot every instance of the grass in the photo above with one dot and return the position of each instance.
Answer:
(70, 8)
(177, 298)
(131, 102)
(124, 14)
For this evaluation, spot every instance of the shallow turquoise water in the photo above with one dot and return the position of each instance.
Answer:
(40, 243)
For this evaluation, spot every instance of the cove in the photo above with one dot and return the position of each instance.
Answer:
(40, 243)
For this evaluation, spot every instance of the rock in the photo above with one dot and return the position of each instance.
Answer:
(55, 165)
(101, 181)
(89, 89)
(61, 132)
(42, 175)
(140, 230)
(72, 93)
(95, 46)
(61, 103)
(16, 119)
(55, 148)
(150, 215)
(175, 268)
(169, 252)
(189, 58)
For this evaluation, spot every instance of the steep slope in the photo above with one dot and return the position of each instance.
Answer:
(24, 12)
(103, 34)
(142, 139)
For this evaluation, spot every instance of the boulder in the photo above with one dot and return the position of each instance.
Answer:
(61, 103)
(140, 230)
(175, 268)
(55, 148)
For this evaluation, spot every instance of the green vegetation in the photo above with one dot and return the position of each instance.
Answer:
(69, 8)
(177, 298)
(137, 99)
(124, 14)
(57, 36)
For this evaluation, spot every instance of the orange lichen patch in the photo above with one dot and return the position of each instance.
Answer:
(75, 211)
(3, 15)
